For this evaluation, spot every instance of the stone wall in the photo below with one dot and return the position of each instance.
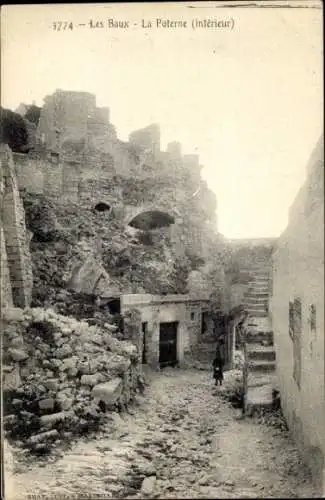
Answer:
(17, 258)
(61, 375)
(6, 293)
(299, 276)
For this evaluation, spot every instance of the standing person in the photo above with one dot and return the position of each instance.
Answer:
(218, 362)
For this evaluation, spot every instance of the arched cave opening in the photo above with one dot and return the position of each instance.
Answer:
(152, 219)
(102, 207)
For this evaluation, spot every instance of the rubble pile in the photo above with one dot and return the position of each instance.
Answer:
(61, 375)
(64, 237)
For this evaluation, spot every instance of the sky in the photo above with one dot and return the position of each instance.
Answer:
(246, 97)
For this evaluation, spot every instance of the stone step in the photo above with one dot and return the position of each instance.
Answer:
(256, 307)
(262, 366)
(260, 306)
(260, 352)
(260, 279)
(257, 314)
(254, 295)
(260, 338)
(258, 398)
(259, 379)
(259, 288)
(256, 299)
(262, 324)
(259, 292)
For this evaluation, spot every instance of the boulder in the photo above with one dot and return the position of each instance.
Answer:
(89, 379)
(17, 354)
(17, 342)
(43, 436)
(13, 314)
(46, 404)
(108, 392)
(11, 379)
(65, 403)
(148, 485)
(50, 420)
(64, 351)
(97, 339)
(69, 363)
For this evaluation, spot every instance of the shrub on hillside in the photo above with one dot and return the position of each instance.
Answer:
(232, 389)
(13, 131)
(33, 114)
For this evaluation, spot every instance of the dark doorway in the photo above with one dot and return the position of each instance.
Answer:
(204, 326)
(168, 344)
(144, 342)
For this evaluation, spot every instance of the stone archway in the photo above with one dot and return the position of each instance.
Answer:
(148, 217)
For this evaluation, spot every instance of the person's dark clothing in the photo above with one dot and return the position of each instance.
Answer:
(218, 364)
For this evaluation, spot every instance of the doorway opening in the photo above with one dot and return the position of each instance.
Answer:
(144, 342)
(168, 344)
(204, 326)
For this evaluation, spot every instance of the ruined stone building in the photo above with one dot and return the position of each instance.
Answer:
(71, 119)
(147, 138)
(298, 315)
(80, 162)
(168, 326)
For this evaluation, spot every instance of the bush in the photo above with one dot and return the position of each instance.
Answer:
(233, 388)
(239, 360)
(13, 131)
(33, 114)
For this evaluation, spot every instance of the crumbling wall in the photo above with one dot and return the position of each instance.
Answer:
(16, 238)
(6, 293)
(61, 375)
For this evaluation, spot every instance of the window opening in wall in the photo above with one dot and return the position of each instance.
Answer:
(102, 207)
(204, 326)
(192, 316)
(295, 316)
(312, 327)
(312, 317)
(144, 342)
(291, 320)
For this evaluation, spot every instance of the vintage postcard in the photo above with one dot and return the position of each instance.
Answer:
(162, 250)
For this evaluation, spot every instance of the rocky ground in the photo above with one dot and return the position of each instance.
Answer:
(181, 441)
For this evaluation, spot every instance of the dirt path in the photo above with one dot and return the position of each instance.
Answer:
(186, 441)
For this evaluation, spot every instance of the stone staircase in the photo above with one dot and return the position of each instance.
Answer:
(261, 373)
(260, 349)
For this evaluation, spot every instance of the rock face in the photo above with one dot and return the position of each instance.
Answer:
(63, 375)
